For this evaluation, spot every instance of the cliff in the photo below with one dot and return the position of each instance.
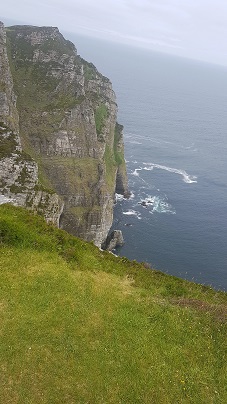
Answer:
(66, 153)
(18, 171)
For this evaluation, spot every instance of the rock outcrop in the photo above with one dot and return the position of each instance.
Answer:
(114, 239)
(63, 149)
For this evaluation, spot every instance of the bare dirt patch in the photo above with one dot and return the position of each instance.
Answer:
(218, 311)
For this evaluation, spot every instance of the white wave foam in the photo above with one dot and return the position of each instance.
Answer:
(132, 195)
(135, 172)
(189, 179)
(119, 197)
(150, 200)
(134, 142)
(188, 147)
(148, 168)
(132, 212)
(159, 205)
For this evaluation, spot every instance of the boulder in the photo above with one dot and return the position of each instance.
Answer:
(114, 239)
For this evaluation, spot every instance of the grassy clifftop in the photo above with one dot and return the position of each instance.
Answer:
(82, 326)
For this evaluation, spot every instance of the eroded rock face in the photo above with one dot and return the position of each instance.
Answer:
(114, 239)
(18, 171)
(8, 110)
(66, 116)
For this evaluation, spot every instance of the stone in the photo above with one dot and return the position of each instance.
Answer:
(114, 239)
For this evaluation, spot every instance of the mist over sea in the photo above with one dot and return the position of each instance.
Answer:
(174, 113)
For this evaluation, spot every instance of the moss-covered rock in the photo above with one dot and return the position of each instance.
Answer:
(19, 182)
(67, 124)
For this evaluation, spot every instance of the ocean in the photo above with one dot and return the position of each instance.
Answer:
(174, 113)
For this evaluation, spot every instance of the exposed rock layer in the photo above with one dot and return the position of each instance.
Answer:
(114, 239)
(67, 154)
(18, 171)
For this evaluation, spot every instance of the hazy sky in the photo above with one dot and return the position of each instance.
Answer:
(191, 28)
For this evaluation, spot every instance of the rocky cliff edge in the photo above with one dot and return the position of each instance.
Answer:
(62, 151)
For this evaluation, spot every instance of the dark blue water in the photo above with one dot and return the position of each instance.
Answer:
(174, 112)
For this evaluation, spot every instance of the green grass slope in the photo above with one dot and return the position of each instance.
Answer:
(82, 326)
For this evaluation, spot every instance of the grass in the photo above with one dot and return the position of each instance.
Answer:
(101, 114)
(118, 154)
(89, 71)
(82, 326)
(73, 174)
(111, 167)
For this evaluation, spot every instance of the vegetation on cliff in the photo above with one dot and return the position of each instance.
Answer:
(64, 113)
(82, 326)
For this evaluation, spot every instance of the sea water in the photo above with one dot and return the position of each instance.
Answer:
(174, 113)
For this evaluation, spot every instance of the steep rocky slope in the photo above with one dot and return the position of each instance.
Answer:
(65, 115)
(18, 171)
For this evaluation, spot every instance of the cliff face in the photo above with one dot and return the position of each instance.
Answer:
(64, 127)
(18, 171)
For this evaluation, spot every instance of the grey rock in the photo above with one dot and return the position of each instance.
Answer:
(65, 118)
(114, 239)
(18, 171)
